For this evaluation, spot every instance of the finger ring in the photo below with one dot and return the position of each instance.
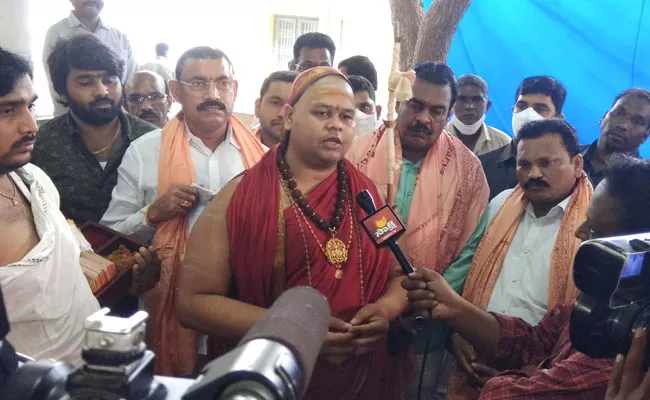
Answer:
(186, 204)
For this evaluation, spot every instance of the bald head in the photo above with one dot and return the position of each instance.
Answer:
(146, 97)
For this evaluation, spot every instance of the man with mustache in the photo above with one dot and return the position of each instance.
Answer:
(147, 98)
(274, 228)
(624, 128)
(274, 93)
(169, 176)
(468, 121)
(538, 360)
(522, 252)
(82, 149)
(537, 97)
(46, 294)
(85, 20)
(440, 193)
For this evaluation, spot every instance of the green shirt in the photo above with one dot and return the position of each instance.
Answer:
(455, 275)
(407, 179)
(84, 186)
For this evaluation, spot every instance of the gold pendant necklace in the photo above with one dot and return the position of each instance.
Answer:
(336, 251)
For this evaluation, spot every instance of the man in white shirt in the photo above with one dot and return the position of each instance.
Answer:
(160, 65)
(167, 178)
(45, 292)
(468, 121)
(84, 19)
(524, 245)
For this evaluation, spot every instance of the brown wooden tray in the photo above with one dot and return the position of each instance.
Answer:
(104, 241)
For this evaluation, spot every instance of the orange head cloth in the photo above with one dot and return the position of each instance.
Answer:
(308, 78)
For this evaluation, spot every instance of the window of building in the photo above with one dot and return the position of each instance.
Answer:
(286, 30)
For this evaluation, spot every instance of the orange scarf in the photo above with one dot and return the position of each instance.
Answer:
(489, 256)
(449, 198)
(494, 245)
(175, 347)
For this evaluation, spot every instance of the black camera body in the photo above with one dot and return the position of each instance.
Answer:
(613, 275)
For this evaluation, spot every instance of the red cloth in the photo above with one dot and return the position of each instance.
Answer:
(252, 219)
(565, 374)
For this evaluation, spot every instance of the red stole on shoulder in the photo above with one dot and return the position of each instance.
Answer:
(252, 219)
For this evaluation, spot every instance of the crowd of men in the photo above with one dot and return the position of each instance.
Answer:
(236, 216)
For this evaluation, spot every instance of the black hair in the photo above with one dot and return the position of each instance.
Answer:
(362, 66)
(546, 85)
(628, 181)
(12, 68)
(84, 52)
(314, 40)
(473, 80)
(361, 84)
(438, 74)
(635, 92)
(278, 76)
(201, 53)
(552, 126)
(162, 49)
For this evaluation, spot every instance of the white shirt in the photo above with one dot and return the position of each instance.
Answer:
(159, 66)
(111, 37)
(522, 287)
(137, 181)
(46, 294)
(489, 139)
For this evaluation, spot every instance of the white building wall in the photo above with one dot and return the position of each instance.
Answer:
(241, 28)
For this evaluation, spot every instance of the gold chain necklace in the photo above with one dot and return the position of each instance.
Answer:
(12, 198)
(110, 144)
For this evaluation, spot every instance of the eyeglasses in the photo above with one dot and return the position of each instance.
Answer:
(138, 99)
(222, 85)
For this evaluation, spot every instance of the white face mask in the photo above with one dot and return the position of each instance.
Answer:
(365, 123)
(522, 117)
(465, 129)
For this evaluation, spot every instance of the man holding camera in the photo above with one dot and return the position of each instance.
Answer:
(539, 361)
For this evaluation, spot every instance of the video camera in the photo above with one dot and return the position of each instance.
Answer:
(613, 275)
(273, 361)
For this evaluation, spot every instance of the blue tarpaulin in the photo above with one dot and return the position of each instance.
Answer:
(597, 48)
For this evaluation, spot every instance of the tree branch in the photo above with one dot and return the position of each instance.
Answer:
(438, 28)
(408, 15)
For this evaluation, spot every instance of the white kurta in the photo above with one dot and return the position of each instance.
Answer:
(46, 294)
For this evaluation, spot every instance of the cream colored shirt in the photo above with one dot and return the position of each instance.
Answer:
(489, 139)
(46, 294)
(521, 289)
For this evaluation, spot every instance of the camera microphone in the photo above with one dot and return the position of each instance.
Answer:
(276, 357)
(384, 228)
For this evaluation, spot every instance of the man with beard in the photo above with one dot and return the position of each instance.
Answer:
(84, 20)
(523, 252)
(623, 129)
(156, 197)
(45, 292)
(81, 150)
(147, 98)
(440, 193)
(268, 108)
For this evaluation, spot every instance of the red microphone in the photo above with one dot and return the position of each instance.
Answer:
(384, 227)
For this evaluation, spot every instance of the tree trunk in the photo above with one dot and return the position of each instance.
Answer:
(408, 15)
(438, 28)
